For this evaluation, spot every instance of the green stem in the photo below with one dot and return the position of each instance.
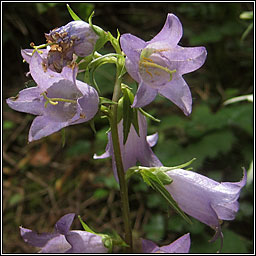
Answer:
(118, 161)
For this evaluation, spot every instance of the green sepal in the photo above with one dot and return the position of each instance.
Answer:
(95, 64)
(103, 36)
(71, 12)
(148, 115)
(181, 166)
(135, 113)
(131, 171)
(117, 240)
(108, 243)
(92, 125)
(157, 179)
(163, 177)
(106, 101)
(135, 121)
(115, 41)
(85, 226)
(120, 109)
(127, 116)
(167, 196)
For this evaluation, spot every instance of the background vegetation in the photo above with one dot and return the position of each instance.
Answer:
(42, 180)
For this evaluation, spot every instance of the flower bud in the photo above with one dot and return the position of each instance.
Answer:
(76, 37)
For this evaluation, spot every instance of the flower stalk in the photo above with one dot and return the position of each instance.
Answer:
(118, 159)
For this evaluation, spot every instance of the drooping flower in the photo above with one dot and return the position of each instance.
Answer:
(62, 240)
(136, 148)
(205, 199)
(158, 65)
(75, 37)
(58, 100)
(181, 245)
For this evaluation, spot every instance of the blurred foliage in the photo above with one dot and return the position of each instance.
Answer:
(43, 181)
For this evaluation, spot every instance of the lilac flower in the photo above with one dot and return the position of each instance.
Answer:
(64, 241)
(205, 199)
(75, 37)
(136, 148)
(158, 65)
(59, 100)
(181, 245)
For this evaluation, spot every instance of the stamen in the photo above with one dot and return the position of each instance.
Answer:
(149, 73)
(147, 63)
(55, 101)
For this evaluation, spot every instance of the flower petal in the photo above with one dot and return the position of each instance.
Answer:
(27, 54)
(132, 69)
(179, 93)
(108, 151)
(181, 245)
(64, 223)
(132, 46)
(148, 246)
(185, 59)
(227, 209)
(57, 244)
(38, 240)
(152, 139)
(28, 101)
(88, 103)
(43, 126)
(171, 32)
(85, 242)
(43, 76)
(145, 94)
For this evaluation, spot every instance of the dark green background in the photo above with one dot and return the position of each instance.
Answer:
(43, 181)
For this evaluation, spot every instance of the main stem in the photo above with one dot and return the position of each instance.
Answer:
(119, 164)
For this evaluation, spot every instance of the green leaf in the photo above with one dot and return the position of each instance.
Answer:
(100, 193)
(8, 125)
(247, 31)
(246, 15)
(239, 98)
(79, 148)
(15, 199)
(71, 12)
(155, 228)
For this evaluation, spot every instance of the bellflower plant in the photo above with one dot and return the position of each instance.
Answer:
(158, 65)
(76, 37)
(58, 100)
(181, 245)
(62, 240)
(136, 148)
